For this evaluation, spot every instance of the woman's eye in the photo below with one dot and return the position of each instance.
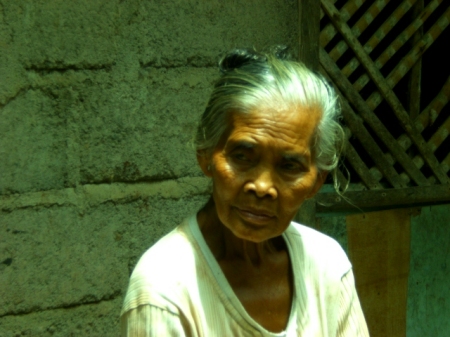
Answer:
(292, 167)
(240, 156)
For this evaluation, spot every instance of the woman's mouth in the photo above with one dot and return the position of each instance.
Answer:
(259, 217)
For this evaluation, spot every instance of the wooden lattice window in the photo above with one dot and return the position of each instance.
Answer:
(390, 62)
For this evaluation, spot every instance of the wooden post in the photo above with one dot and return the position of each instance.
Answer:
(309, 30)
(379, 248)
(308, 53)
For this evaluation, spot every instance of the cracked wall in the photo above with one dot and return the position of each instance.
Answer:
(98, 102)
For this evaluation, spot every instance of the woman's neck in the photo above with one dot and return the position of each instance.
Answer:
(259, 273)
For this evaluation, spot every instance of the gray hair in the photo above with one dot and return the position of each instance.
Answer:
(251, 80)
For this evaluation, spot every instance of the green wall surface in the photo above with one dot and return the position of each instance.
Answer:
(428, 311)
(98, 103)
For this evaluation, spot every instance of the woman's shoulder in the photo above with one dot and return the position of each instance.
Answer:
(161, 271)
(318, 250)
(312, 235)
(171, 254)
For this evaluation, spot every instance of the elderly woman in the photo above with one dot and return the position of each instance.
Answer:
(240, 266)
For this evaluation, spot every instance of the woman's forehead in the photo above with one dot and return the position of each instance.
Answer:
(296, 126)
(297, 120)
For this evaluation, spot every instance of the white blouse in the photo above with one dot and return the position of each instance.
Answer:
(178, 289)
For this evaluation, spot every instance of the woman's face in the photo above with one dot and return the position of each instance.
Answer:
(263, 170)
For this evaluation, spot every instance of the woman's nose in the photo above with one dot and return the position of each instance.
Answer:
(261, 183)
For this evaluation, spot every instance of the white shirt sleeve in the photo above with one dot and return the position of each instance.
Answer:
(150, 321)
(351, 319)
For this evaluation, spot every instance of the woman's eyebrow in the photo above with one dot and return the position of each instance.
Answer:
(243, 144)
(296, 157)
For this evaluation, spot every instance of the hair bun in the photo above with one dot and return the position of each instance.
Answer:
(280, 51)
(238, 58)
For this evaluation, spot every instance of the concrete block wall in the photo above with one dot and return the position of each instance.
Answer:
(98, 102)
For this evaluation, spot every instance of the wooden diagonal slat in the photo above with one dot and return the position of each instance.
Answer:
(400, 41)
(446, 163)
(322, 14)
(435, 141)
(403, 67)
(370, 118)
(440, 135)
(423, 120)
(327, 33)
(384, 89)
(356, 126)
(359, 27)
(358, 129)
(360, 167)
(380, 34)
(376, 38)
(417, 51)
(429, 114)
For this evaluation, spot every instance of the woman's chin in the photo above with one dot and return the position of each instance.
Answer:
(253, 233)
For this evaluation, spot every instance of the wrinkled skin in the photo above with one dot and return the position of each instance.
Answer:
(262, 170)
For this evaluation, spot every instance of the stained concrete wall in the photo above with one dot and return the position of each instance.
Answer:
(98, 101)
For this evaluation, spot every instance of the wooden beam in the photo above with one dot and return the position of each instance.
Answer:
(373, 200)
(309, 30)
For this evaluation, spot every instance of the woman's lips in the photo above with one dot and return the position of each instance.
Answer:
(255, 216)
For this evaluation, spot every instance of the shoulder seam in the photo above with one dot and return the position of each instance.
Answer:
(150, 305)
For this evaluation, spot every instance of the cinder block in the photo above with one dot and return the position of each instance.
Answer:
(58, 258)
(52, 257)
(32, 144)
(59, 35)
(140, 130)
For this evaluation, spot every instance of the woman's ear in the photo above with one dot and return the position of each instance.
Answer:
(321, 177)
(204, 161)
